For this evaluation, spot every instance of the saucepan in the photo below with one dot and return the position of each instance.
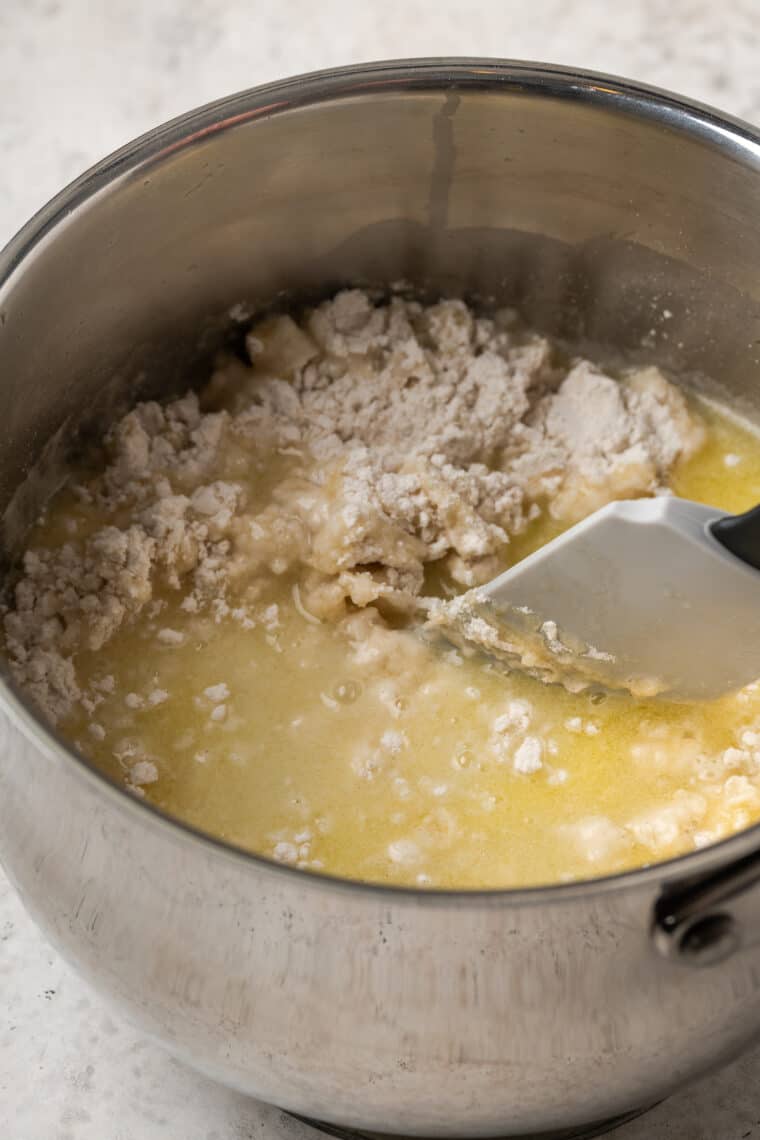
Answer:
(609, 214)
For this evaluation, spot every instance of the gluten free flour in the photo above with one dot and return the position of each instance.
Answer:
(220, 611)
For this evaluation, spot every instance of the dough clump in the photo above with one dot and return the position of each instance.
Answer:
(408, 436)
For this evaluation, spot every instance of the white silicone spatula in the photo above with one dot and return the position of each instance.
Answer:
(654, 596)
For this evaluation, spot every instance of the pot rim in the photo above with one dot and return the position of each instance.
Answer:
(733, 139)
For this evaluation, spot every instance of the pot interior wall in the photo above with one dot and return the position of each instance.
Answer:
(600, 218)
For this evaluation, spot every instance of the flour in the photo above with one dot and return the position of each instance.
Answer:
(406, 436)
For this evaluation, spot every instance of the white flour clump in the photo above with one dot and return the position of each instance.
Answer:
(77, 595)
(595, 439)
(405, 435)
(439, 435)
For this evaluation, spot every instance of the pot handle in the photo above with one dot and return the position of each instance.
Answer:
(699, 922)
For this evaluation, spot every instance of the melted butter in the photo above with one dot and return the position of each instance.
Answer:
(284, 740)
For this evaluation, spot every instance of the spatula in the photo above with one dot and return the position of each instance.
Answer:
(659, 597)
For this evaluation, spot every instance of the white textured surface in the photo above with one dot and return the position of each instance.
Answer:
(77, 79)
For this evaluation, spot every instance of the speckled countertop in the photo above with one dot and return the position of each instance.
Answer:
(76, 80)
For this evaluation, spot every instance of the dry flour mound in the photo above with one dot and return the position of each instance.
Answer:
(404, 435)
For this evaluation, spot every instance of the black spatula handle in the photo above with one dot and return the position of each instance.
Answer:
(741, 535)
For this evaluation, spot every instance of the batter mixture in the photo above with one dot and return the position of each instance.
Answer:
(222, 610)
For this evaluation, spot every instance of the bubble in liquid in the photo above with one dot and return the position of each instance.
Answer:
(347, 692)
(597, 698)
(462, 758)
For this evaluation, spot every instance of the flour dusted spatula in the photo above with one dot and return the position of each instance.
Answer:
(654, 596)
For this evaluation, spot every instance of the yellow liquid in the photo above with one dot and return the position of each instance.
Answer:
(391, 768)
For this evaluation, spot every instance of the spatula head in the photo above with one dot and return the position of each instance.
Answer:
(639, 596)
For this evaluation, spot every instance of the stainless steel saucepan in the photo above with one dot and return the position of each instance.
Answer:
(608, 213)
